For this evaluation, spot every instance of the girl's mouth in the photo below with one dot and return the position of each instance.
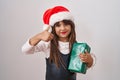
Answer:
(63, 32)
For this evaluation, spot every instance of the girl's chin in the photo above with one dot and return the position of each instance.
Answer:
(63, 36)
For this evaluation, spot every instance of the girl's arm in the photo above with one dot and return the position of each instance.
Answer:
(32, 45)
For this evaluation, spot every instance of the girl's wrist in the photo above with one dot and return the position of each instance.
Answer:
(34, 40)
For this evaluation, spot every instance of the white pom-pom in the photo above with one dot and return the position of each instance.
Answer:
(45, 26)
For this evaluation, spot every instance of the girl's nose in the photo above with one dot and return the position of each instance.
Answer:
(62, 27)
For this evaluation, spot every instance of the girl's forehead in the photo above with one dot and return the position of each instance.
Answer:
(68, 22)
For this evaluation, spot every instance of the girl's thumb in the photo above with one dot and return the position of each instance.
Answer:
(47, 28)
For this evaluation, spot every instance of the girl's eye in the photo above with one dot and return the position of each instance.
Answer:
(58, 25)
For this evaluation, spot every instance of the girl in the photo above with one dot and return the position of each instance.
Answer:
(56, 42)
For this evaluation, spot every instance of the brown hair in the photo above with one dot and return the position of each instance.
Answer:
(54, 45)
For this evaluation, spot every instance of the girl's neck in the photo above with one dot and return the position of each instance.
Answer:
(63, 39)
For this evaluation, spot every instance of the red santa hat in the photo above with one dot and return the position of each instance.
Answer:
(56, 14)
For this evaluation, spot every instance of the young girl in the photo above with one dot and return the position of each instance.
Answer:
(56, 42)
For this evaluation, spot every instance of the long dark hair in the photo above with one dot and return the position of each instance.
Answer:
(54, 45)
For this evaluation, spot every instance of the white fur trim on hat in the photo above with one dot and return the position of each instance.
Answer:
(59, 17)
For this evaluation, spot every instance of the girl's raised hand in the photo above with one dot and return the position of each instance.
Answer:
(46, 35)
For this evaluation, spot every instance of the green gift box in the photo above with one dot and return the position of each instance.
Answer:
(75, 64)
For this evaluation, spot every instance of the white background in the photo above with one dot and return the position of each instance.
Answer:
(97, 23)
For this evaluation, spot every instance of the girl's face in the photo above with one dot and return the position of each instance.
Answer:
(62, 30)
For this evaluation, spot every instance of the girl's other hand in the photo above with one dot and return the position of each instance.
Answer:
(86, 58)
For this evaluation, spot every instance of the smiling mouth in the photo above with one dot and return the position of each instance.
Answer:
(63, 32)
